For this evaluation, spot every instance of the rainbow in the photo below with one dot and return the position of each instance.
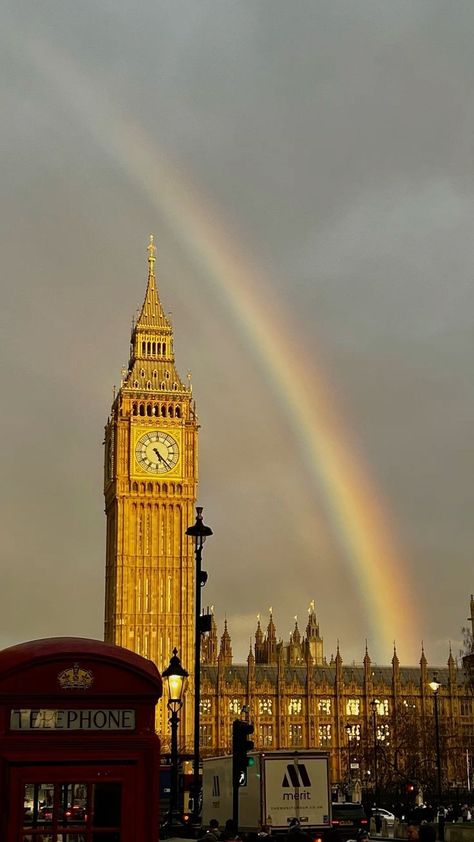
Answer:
(354, 505)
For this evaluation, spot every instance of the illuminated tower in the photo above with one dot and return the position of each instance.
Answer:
(150, 481)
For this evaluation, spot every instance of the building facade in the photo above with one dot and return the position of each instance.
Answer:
(150, 482)
(362, 714)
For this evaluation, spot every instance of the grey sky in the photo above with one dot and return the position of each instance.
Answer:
(331, 144)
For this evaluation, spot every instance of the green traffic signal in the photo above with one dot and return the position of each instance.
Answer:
(241, 745)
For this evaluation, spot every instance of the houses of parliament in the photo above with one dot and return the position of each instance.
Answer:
(293, 694)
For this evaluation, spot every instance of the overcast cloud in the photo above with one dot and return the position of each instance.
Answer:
(332, 145)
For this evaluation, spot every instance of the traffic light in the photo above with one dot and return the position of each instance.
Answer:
(410, 787)
(241, 745)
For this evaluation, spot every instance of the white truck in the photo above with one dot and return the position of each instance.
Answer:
(280, 786)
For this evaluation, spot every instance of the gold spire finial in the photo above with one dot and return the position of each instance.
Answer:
(151, 255)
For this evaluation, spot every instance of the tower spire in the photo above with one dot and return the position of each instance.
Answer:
(151, 257)
(152, 316)
(151, 366)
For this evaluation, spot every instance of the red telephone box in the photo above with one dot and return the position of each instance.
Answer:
(79, 757)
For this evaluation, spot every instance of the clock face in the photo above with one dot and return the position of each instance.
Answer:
(157, 452)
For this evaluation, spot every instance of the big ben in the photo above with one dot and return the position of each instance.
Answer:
(150, 483)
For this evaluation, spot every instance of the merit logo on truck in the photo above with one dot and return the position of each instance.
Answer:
(298, 776)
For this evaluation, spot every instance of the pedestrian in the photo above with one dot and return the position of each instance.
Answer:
(295, 831)
(212, 833)
(230, 831)
(213, 829)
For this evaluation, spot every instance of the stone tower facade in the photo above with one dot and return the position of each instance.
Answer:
(150, 484)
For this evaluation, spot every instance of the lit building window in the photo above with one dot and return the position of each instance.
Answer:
(382, 707)
(324, 706)
(205, 706)
(324, 734)
(265, 735)
(295, 706)
(265, 706)
(383, 733)
(295, 735)
(466, 707)
(235, 706)
(205, 735)
(353, 707)
(353, 733)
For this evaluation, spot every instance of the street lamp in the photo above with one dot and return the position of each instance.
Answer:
(351, 762)
(175, 676)
(435, 685)
(199, 532)
(349, 731)
(373, 707)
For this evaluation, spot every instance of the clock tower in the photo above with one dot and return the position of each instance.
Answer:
(150, 482)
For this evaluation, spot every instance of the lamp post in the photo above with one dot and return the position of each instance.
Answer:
(199, 532)
(354, 770)
(435, 685)
(349, 732)
(175, 676)
(373, 707)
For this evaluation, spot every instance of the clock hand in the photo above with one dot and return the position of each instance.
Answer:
(161, 458)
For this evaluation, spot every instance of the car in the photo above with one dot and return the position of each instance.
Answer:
(76, 813)
(45, 813)
(349, 817)
(385, 815)
(71, 815)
